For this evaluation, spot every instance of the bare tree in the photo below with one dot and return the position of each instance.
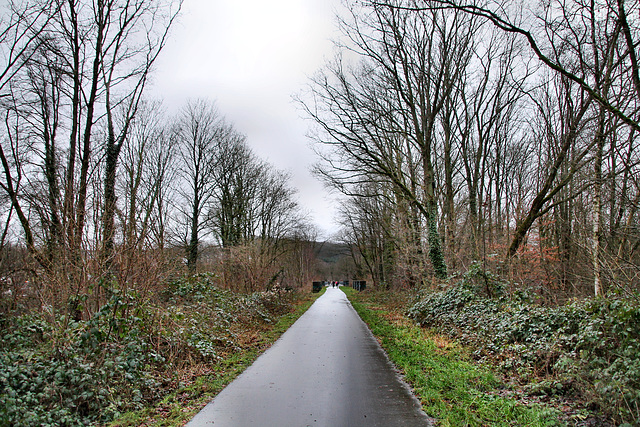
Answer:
(238, 176)
(368, 223)
(148, 157)
(127, 57)
(21, 28)
(199, 131)
(89, 64)
(546, 50)
(22, 25)
(411, 65)
(488, 99)
(514, 120)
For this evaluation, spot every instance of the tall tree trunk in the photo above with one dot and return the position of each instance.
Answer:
(597, 207)
(110, 199)
(192, 248)
(69, 184)
(435, 243)
(449, 206)
(547, 190)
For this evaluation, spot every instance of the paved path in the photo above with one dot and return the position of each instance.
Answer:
(326, 370)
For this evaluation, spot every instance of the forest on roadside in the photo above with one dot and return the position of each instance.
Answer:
(486, 157)
(142, 254)
(487, 153)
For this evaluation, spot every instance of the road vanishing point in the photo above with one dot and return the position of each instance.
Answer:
(326, 370)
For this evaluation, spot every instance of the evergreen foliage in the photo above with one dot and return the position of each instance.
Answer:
(586, 349)
(68, 373)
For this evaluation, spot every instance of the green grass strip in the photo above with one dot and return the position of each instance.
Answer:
(179, 407)
(451, 388)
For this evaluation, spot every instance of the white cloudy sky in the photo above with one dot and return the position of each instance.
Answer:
(251, 56)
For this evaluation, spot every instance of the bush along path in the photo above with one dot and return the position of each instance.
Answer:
(137, 363)
(583, 356)
(450, 386)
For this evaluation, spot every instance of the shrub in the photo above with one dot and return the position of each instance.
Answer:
(79, 374)
(68, 373)
(590, 348)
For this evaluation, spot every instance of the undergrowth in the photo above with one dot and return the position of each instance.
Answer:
(584, 354)
(451, 388)
(131, 354)
(193, 392)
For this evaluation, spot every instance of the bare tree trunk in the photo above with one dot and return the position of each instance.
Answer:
(131, 16)
(435, 243)
(108, 216)
(597, 207)
(548, 188)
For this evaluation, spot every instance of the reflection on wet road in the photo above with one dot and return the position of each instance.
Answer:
(326, 370)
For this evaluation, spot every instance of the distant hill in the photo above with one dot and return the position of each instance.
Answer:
(331, 252)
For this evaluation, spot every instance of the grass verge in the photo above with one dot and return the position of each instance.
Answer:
(451, 388)
(187, 400)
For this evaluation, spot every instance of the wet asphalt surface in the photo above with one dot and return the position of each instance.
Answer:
(326, 370)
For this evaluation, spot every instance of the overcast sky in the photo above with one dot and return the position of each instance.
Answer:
(251, 56)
